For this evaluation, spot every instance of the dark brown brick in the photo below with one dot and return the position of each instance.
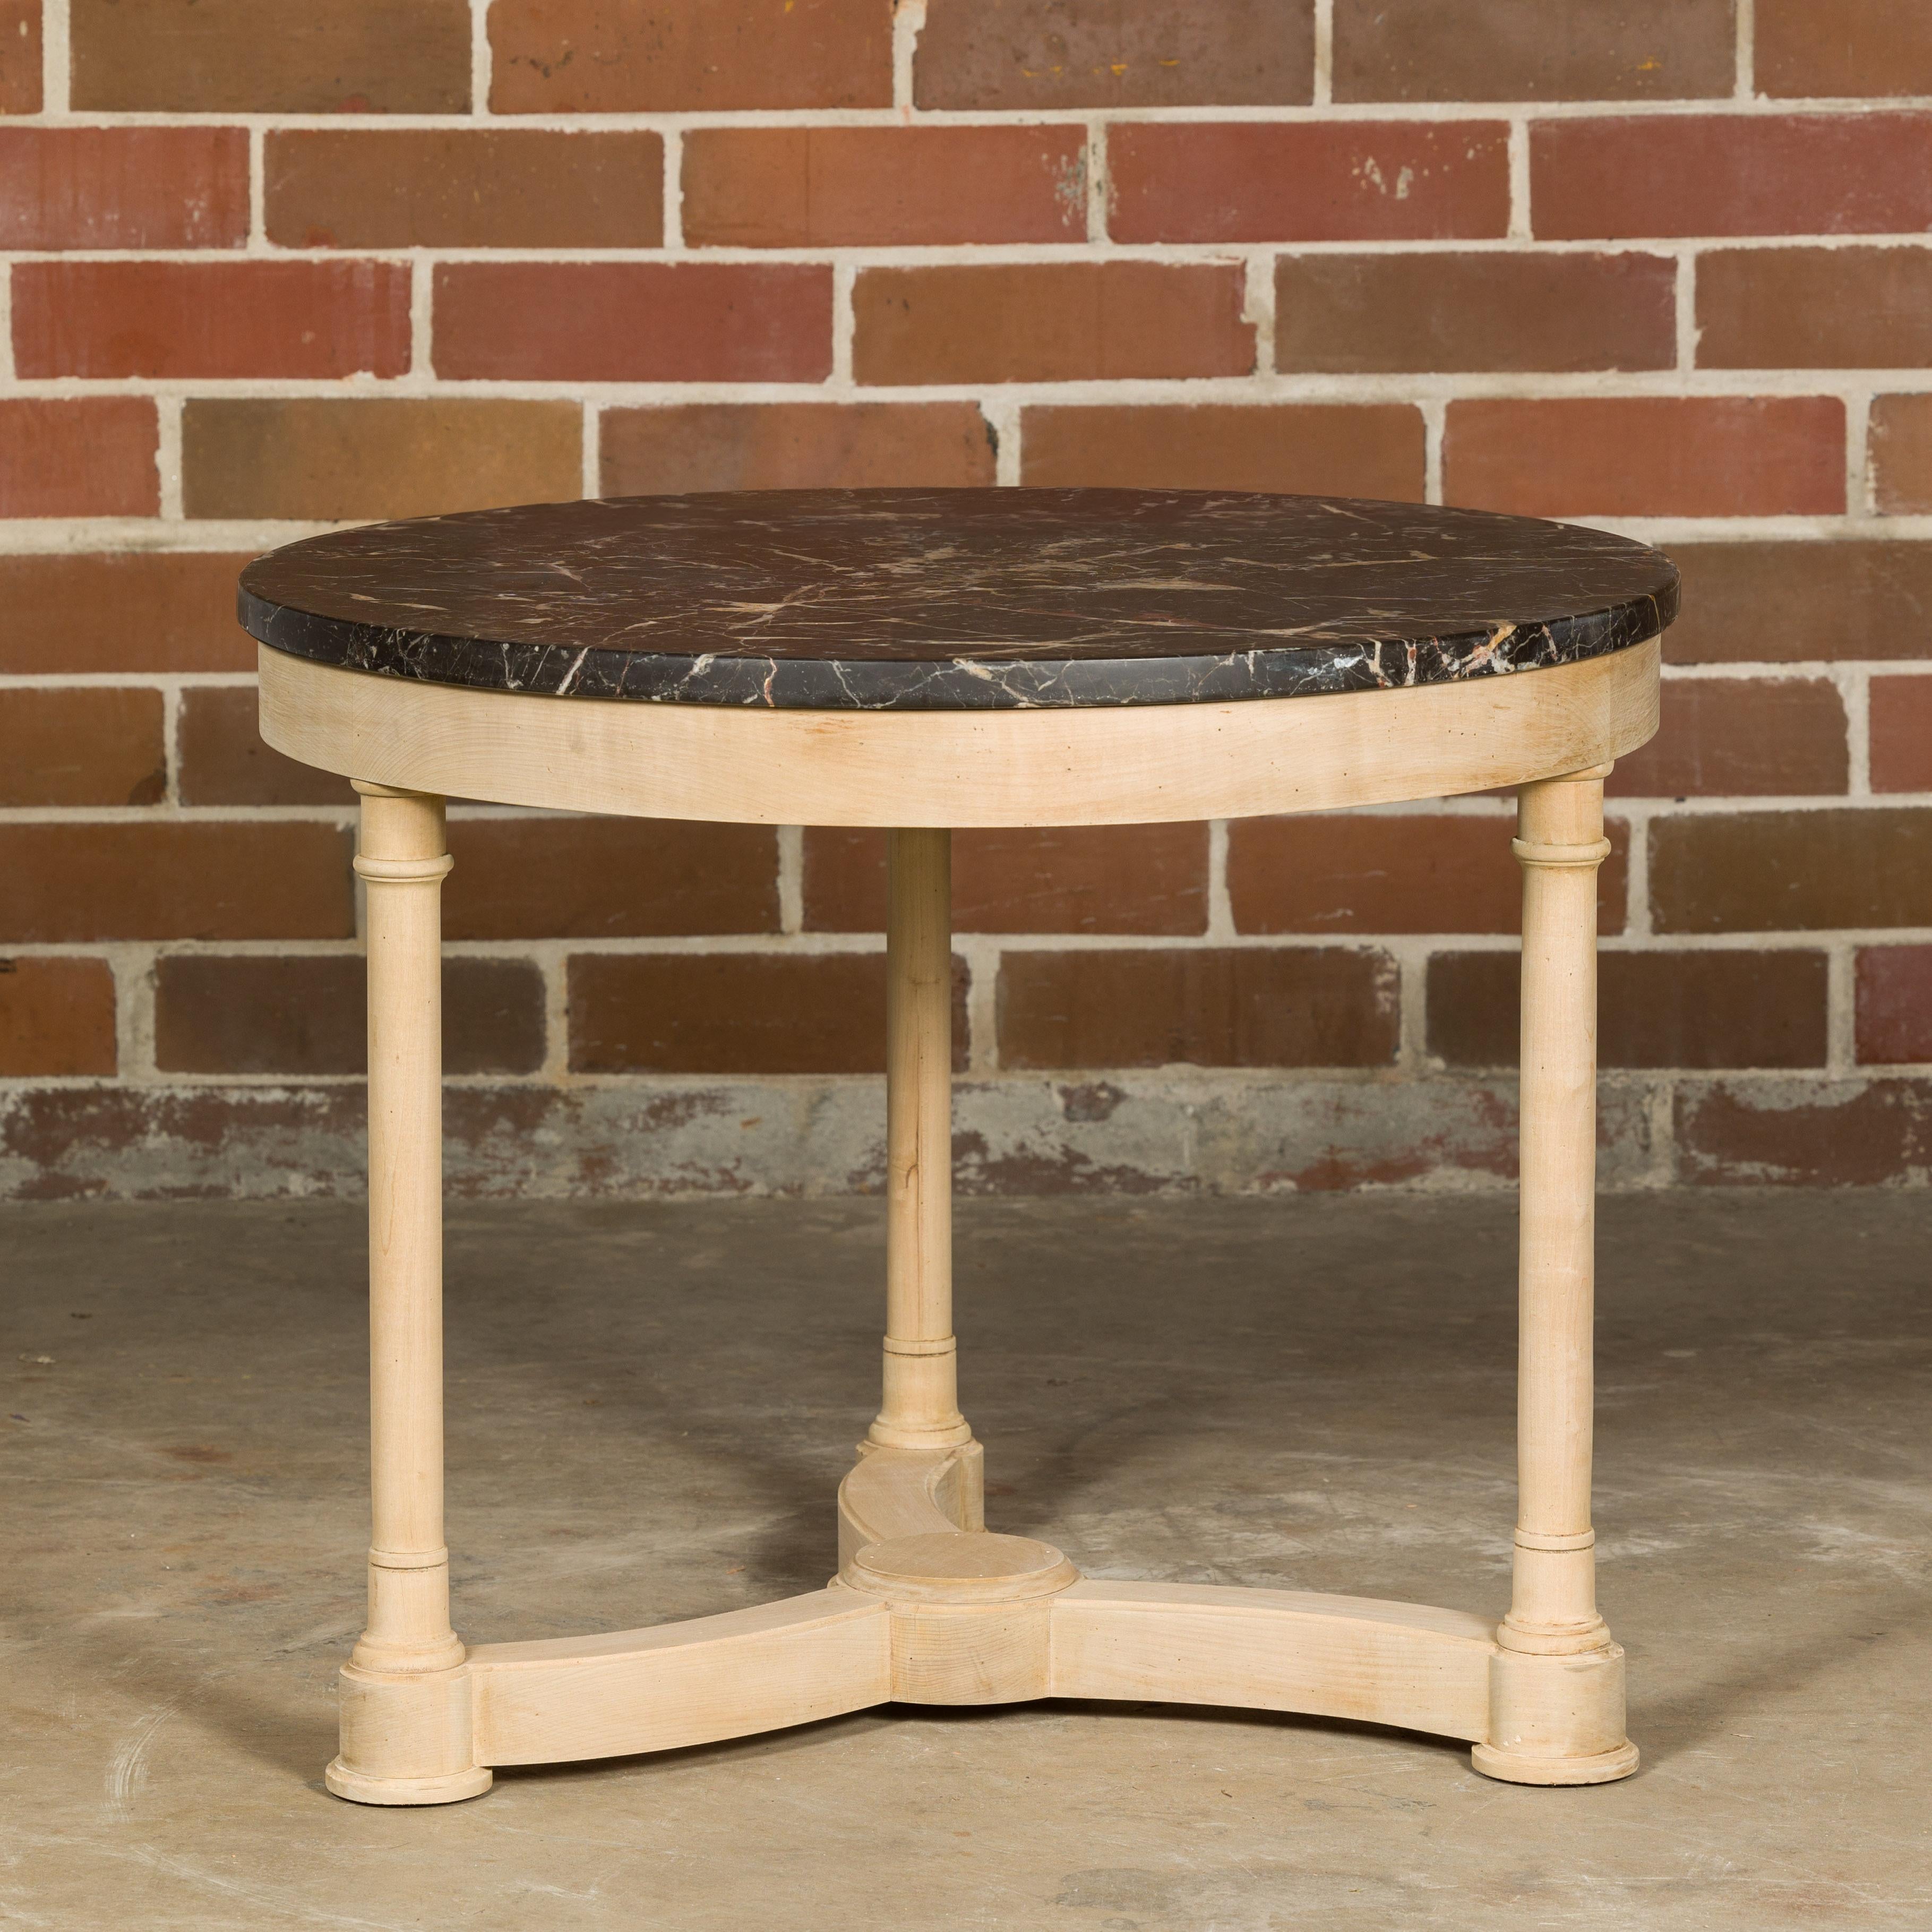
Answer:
(1341, 180)
(682, 446)
(330, 457)
(1805, 1133)
(736, 1013)
(555, 878)
(688, 56)
(1032, 54)
(1350, 872)
(1894, 1004)
(1346, 313)
(304, 1015)
(20, 59)
(83, 614)
(1847, 47)
(636, 321)
(819, 187)
(90, 456)
(1334, 449)
(1738, 738)
(1533, 50)
(1777, 602)
(74, 883)
(223, 319)
(56, 1017)
(1731, 174)
(1048, 322)
(1814, 308)
(467, 187)
(1200, 1006)
(81, 746)
(1653, 1010)
(1901, 454)
(223, 760)
(123, 187)
(262, 57)
(1791, 871)
(1137, 879)
(1655, 456)
(1901, 733)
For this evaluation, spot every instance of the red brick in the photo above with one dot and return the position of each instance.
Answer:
(56, 1017)
(90, 457)
(1654, 456)
(1778, 602)
(82, 745)
(1533, 50)
(1901, 733)
(1048, 322)
(1805, 1133)
(330, 457)
(123, 187)
(304, 1015)
(688, 56)
(1334, 449)
(1845, 46)
(1791, 871)
(232, 319)
(1814, 308)
(1343, 181)
(87, 615)
(1901, 454)
(555, 878)
(736, 1013)
(1198, 1006)
(69, 883)
(1732, 174)
(265, 57)
(19, 56)
(468, 187)
(1137, 879)
(1349, 314)
(1032, 54)
(1740, 737)
(818, 187)
(1653, 1010)
(1894, 1004)
(1348, 872)
(640, 322)
(683, 446)
(223, 760)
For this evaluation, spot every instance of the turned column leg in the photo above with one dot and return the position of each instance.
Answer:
(406, 1727)
(1557, 1688)
(921, 1408)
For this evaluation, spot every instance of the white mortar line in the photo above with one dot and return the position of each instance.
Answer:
(134, 968)
(844, 327)
(673, 188)
(1220, 925)
(1434, 421)
(1099, 183)
(1004, 416)
(908, 22)
(168, 457)
(1858, 486)
(1854, 684)
(1411, 956)
(422, 301)
(7, 329)
(56, 59)
(1520, 219)
(1688, 333)
(552, 960)
(791, 879)
(981, 954)
(1745, 82)
(480, 57)
(1324, 53)
(1636, 889)
(1841, 1011)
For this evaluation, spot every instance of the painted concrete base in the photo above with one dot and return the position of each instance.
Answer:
(1136, 1132)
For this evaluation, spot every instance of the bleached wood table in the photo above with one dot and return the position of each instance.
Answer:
(919, 661)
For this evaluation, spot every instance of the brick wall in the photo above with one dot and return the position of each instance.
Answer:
(1658, 264)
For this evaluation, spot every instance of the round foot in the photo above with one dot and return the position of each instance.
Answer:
(361, 1789)
(959, 1566)
(1522, 1768)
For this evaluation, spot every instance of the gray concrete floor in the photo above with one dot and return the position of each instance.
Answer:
(650, 1406)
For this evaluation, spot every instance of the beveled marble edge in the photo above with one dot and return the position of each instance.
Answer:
(956, 684)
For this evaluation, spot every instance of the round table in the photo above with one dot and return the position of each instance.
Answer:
(919, 660)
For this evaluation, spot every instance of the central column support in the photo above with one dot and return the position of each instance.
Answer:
(921, 1408)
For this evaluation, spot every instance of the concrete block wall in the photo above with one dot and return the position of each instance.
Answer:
(1659, 265)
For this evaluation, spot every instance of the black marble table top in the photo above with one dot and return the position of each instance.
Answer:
(957, 599)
